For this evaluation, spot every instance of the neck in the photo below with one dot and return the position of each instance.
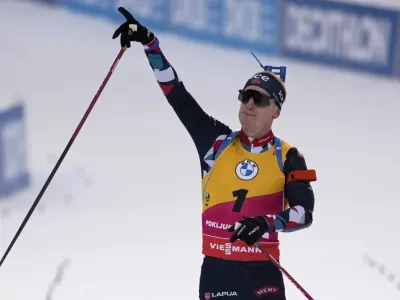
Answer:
(257, 142)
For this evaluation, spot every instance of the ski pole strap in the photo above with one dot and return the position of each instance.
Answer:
(305, 175)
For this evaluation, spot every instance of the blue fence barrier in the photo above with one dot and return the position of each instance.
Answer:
(14, 174)
(153, 13)
(344, 35)
(246, 24)
(332, 33)
(397, 52)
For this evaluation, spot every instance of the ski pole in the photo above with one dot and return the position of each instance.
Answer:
(64, 153)
(277, 264)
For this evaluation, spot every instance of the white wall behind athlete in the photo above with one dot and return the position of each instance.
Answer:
(135, 183)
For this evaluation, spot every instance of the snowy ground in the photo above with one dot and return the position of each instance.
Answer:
(115, 206)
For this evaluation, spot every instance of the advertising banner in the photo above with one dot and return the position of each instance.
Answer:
(49, 2)
(397, 52)
(245, 24)
(343, 35)
(350, 36)
(151, 13)
(14, 175)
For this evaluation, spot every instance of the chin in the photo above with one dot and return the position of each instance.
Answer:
(247, 131)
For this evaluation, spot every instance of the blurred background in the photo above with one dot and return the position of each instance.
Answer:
(110, 223)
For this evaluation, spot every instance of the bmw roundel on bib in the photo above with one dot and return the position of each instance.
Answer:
(246, 169)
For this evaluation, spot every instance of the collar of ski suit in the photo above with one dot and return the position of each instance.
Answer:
(257, 145)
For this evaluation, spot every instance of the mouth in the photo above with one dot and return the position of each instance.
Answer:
(250, 115)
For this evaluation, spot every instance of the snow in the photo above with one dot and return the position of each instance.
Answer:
(124, 207)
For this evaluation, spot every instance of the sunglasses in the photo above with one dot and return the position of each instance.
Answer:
(259, 99)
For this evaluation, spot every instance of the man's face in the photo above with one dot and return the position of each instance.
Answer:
(257, 121)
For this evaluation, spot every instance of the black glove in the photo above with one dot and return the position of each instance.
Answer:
(132, 31)
(249, 230)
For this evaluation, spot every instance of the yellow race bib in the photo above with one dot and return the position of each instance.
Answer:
(240, 184)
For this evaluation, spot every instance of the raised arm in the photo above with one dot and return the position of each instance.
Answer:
(203, 128)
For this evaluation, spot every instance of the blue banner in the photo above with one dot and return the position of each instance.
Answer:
(49, 2)
(246, 24)
(343, 35)
(151, 13)
(338, 34)
(397, 52)
(14, 175)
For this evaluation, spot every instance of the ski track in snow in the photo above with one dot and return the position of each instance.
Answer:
(115, 205)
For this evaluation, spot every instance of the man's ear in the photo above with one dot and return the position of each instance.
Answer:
(276, 114)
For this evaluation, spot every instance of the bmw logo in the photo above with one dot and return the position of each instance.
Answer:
(246, 170)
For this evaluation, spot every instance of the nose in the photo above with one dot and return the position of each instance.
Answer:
(250, 104)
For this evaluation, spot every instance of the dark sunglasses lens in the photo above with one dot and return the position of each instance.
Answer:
(243, 96)
(258, 98)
